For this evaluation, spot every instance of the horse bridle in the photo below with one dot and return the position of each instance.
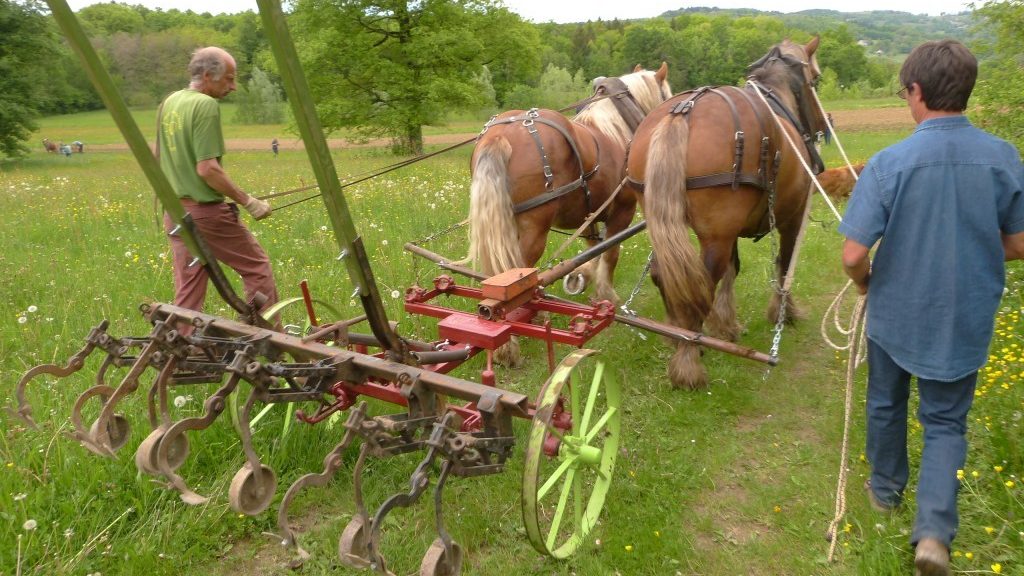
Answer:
(797, 83)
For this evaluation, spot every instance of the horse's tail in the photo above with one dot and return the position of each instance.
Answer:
(682, 277)
(493, 236)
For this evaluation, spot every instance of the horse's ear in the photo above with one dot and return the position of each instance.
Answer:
(638, 68)
(812, 46)
(662, 72)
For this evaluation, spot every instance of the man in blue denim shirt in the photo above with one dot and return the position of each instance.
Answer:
(946, 206)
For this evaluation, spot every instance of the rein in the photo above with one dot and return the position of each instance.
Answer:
(364, 176)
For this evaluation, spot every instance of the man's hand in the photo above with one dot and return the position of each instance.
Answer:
(259, 209)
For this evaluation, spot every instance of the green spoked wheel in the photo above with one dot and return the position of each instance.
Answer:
(571, 454)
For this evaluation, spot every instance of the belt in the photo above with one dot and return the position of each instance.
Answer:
(191, 202)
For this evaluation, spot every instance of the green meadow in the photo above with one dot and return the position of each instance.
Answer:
(737, 479)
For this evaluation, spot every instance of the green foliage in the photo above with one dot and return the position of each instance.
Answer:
(27, 60)
(259, 101)
(998, 97)
(389, 67)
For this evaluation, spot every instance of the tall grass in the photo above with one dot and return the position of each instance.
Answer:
(738, 479)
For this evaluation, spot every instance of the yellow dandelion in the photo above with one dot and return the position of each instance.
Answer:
(848, 527)
(777, 509)
(997, 568)
(957, 553)
(1009, 483)
(975, 474)
(989, 530)
(959, 474)
(657, 534)
(629, 547)
(968, 555)
(998, 468)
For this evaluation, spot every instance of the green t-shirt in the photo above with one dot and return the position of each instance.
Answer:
(189, 133)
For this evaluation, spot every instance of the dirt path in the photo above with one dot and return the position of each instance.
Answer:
(863, 120)
(240, 144)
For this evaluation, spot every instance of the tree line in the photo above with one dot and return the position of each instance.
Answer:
(390, 67)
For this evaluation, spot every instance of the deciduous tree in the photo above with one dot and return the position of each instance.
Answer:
(390, 67)
(28, 53)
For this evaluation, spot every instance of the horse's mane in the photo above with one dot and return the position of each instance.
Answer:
(605, 117)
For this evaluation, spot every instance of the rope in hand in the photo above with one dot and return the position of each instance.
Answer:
(854, 344)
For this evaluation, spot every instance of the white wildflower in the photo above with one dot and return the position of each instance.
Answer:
(22, 319)
(32, 309)
(395, 294)
(180, 401)
(19, 497)
(29, 525)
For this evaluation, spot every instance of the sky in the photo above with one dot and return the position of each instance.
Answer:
(563, 11)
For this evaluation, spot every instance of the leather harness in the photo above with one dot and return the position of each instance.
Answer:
(625, 104)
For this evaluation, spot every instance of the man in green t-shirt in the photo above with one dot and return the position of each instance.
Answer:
(191, 145)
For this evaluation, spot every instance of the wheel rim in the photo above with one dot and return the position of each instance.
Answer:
(563, 495)
(437, 563)
(352, 549)
(247, 494)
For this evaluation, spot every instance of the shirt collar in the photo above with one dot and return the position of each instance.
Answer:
(944, 123)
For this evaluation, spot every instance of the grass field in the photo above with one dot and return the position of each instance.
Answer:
(738, 479)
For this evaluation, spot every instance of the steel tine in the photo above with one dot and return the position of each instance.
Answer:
(332, 462)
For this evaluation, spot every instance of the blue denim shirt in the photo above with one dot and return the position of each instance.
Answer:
(939, 201)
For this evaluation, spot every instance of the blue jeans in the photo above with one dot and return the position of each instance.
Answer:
(943, 414)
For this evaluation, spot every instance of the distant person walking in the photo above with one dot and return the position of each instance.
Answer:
(65, 149)
(191, 146)
(273, 146)
(946, 206)
(79, 147)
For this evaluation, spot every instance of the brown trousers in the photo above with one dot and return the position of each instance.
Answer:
(231, 243)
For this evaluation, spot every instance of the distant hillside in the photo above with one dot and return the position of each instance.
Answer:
(889, 32)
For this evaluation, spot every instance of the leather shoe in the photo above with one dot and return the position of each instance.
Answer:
(876, 504)
(931, 558)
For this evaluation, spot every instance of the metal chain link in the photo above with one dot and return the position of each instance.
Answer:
(779, 290)
(625, 307)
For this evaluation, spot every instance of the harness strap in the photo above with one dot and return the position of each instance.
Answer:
(737, 163)
(625, 102)
(529, 121)
(817, 163)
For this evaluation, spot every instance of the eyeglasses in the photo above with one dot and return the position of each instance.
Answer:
(902, 94)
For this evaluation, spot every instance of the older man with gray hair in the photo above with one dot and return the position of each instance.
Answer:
(190, 145)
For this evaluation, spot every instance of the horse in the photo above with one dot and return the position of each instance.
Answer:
(739, 178)
(838, 182)
(50, 146)
(536, 170)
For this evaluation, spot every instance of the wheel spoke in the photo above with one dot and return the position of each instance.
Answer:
(600, 424)
(556, 520)
(543, 491)
(592, 397)
(577, 492)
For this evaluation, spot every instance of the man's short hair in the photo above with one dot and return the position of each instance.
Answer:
(945, 70)
(210, 59)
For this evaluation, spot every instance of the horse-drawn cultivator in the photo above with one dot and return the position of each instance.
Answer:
(462, 426)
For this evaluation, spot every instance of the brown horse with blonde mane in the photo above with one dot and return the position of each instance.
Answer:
(739, 178)
(536, 170)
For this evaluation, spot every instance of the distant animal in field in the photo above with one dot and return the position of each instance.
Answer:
(838, 182)
(50, 145)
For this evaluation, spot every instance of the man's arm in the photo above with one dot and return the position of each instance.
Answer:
(214, 175)
(1013, 246)
(856, 264)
